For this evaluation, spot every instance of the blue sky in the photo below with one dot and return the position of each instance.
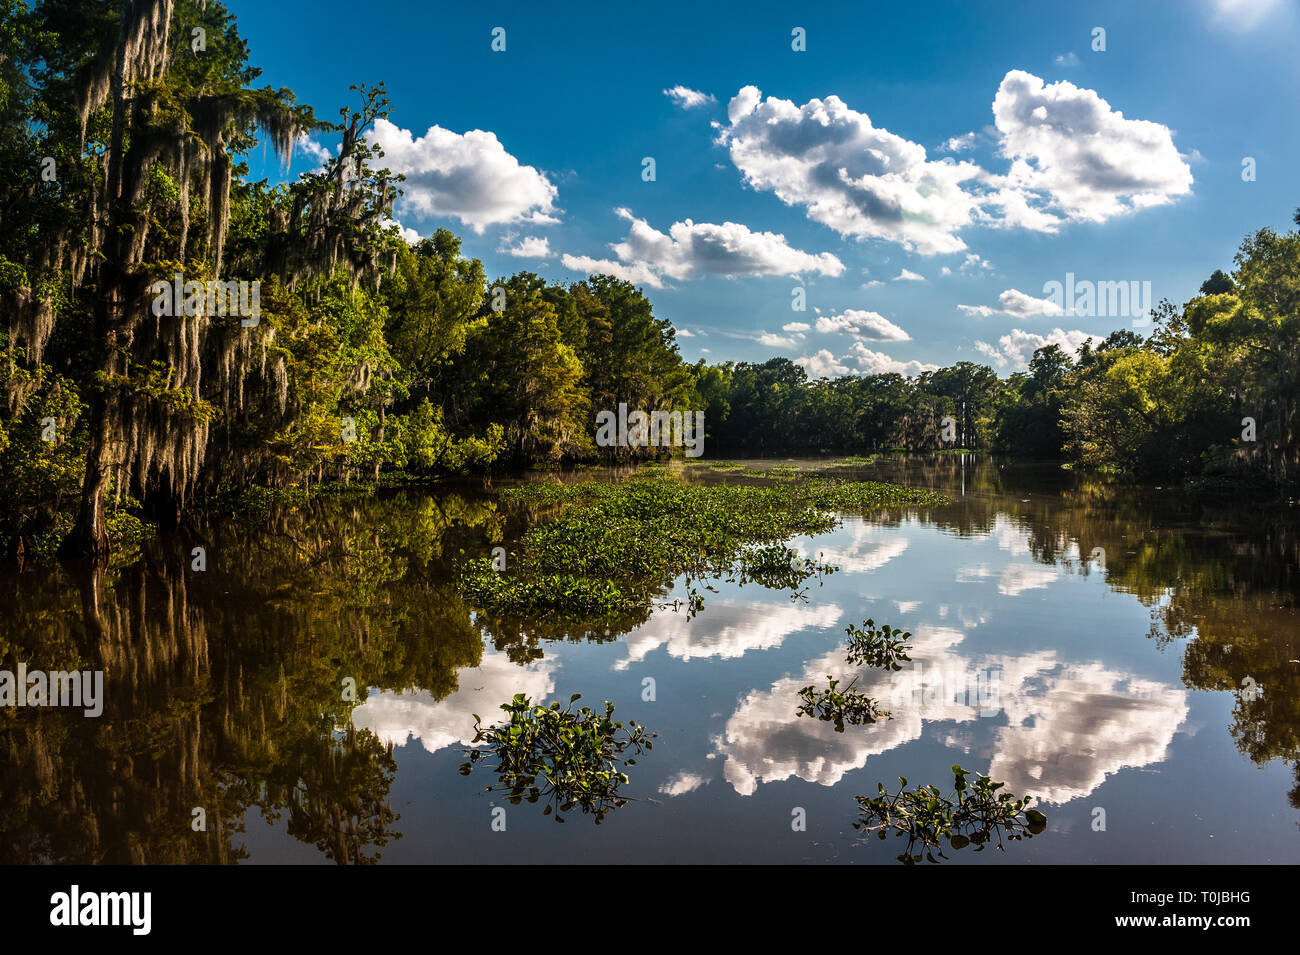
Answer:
(985, 148)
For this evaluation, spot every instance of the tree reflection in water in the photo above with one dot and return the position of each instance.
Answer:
(224, 687)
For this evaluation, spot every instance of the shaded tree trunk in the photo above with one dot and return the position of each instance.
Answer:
(89, 537)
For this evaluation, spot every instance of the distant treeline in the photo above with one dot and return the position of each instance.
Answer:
(1210, 394)
(122, 172)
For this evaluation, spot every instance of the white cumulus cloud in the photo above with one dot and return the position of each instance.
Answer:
(733, 629)
(1072, 158)
(467, 176)
(822, 365)
(437, 724)
(682, 783)
(409, 235)
(529, 247)
(859, 180)
(692, 250)
(1075, 157)
(878, 363)
(316, 152)
(958, 144)
(638, 273)
(871, 326)
(1021, 305)
(1017, 304)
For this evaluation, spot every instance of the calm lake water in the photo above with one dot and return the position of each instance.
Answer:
(1130, 658)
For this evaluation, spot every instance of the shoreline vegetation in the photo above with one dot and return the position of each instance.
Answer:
(126, 164)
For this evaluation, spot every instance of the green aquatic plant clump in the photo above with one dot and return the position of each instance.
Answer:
(615, 546)
(777, 566)
(572, 759)
(580, 596)
(974, 814)
(840, 706)
(885, 648)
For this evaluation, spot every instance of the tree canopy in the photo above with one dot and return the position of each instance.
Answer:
(349, 353)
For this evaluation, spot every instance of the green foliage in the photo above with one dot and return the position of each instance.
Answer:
(885, 647)
(410, 345)
(578, 596)
(571, 759)
(434, 298)
(630, 354)
(426, 447)
(1220, 283)
(520, 374)
(973, 814)
(777, 567)
(832, 705)
(41, 477)
(1173, 406)
(616, 546)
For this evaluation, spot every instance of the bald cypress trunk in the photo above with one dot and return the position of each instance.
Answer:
(89, 537)
(140, 444)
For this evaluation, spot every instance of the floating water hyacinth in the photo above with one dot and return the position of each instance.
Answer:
(614, 547)
(836, 706)
(973, 815)
(572, 759)
(885, 647)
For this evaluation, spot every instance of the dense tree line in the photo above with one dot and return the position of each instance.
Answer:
(1209, 394)
(123, 150)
